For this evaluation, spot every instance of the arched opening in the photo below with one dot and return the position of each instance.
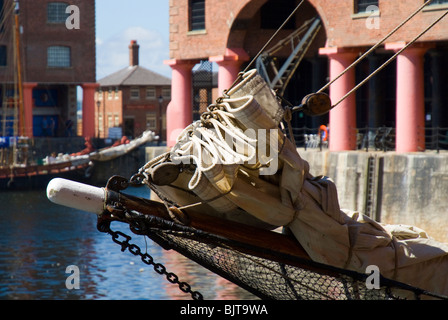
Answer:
(255, 25)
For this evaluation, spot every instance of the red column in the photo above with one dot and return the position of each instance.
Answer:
(410, 104)
(229, 66)
(179, 113)
(342, 131)
(88, 109)
(28, 107)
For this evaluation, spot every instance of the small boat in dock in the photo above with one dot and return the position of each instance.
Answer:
(25, 173)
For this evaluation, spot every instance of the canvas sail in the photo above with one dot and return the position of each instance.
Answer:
(236, 163)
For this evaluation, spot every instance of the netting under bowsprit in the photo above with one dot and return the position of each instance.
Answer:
(247, 266)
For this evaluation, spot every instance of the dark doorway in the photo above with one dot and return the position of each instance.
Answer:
(129, 127)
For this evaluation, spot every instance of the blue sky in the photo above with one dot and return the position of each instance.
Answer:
(118, 22)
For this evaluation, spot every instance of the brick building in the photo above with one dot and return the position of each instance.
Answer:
(410, 94)
(133, 99)
(57, 50)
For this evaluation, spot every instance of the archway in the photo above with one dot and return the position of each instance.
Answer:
(255, 24)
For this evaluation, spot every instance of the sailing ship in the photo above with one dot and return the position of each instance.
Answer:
(236, 197)
(246, 207)
(18, 168)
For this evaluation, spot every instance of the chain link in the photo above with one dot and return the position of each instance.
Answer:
(149, 260)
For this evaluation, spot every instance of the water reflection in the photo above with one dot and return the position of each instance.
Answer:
(38, 240)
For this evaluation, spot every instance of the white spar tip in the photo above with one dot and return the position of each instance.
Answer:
(76, 195)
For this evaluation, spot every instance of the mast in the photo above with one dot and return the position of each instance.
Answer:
(18, 60)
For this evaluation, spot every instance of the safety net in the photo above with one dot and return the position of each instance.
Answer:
(261, 271)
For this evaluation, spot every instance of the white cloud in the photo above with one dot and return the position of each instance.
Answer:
(113, 53)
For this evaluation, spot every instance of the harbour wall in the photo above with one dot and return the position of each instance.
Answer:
(410, 189)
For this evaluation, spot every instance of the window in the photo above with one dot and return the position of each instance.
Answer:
(110, 121)
(100, 123)
(197, 14)
(2, 15)
(151, 121)
(166, 93)
(58, 56)
(366, 6)
(3, 55)
(435, 2)
(135, 93)
(56, 12)
(150, 93)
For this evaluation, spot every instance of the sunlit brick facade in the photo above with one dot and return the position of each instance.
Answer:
(410, 94)
(58, 59)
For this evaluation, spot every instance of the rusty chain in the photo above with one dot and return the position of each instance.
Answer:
(149, 260)
(117, 184)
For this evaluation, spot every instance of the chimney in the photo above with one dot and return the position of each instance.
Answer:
(133, 53)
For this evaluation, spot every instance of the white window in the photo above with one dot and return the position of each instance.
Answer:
(151, 121)
(58, 56)
(100, 122)
(166, 93)
(56, 12)
(110, 121)
(150, 93)
(135, 93)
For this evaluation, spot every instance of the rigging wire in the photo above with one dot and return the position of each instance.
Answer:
(267, 44)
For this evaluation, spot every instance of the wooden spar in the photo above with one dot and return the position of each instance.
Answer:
(108, 202)
(270, 244)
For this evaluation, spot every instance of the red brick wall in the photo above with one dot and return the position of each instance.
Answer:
(345, 31)
(38, 35)
(341, 27)
(124, 106)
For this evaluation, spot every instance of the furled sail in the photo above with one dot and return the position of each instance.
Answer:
(237, 164)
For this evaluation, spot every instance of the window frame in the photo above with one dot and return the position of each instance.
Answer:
(356, 6)
(56, 60)
(194, 13)
(61, 16)
(151, 120)
(133, 90)
(438, 3)
(150, 93)
(166, 93)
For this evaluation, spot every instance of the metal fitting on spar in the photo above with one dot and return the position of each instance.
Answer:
(76, 195)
